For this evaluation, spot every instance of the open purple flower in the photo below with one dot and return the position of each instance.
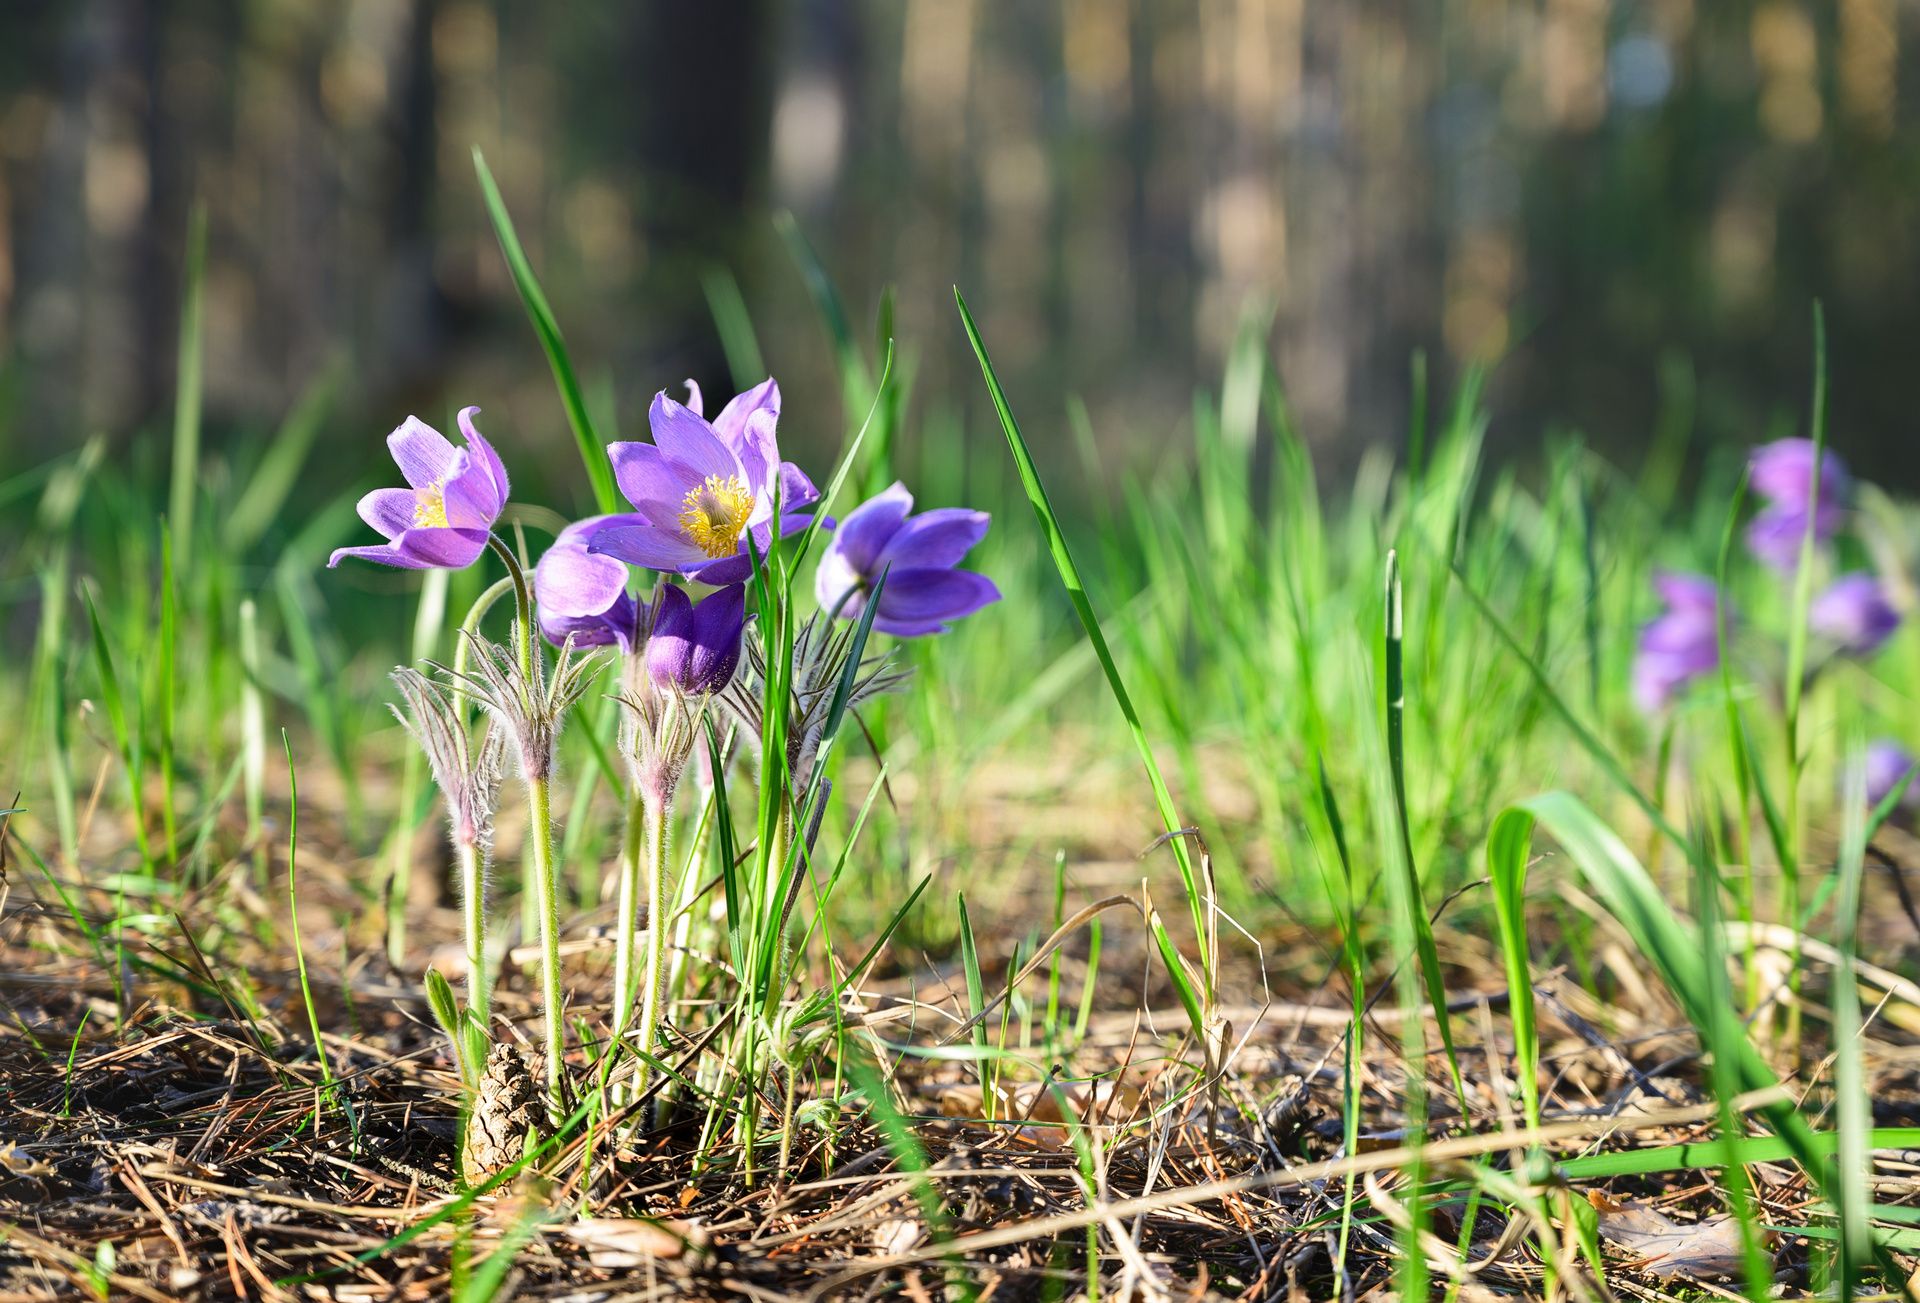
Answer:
(442, 519)
(700, 490)
(696, 646)
(1782, 473)
(1855, 613)
(923, 591)
(577, 592)
(1887, 764)
(1681, 645)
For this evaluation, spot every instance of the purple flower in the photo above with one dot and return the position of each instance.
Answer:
(1681, 645)
(696, 647)
(1782, 473)
(923, 591)
(1855, 613)
(700, 490)
(441, 521)
(1887, 764)
(1776, 533)
(576, 592)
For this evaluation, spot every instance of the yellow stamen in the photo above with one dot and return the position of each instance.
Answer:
(430, 507)
(713, 514)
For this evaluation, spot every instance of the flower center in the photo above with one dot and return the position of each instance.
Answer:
(713, 514)
(430, 507)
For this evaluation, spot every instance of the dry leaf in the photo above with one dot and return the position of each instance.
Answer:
(630, 1241)
(1705, 1250)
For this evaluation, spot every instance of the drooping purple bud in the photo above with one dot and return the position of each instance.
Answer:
(1855, 613)
(1887, 765)
(925, 591)
(696, 647)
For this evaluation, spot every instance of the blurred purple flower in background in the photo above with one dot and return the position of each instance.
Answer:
(577, 592)
(699, 489)
(1681, 644)
(696, 647)
(1855, 613)
(1888, 763)
(923, 590)
(1782, 474)
(442, 519)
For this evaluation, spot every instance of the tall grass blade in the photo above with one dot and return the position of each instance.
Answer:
(1083, 607)
(186, 395)
(593, 453)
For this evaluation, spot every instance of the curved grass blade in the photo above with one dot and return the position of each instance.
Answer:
(592, 451)
(1083, 607)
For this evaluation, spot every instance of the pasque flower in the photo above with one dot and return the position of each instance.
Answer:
(1855, 613)
(583, 594)
(695, 647)
(923, 592)
(442, 519)
(1682, 644)
(1887, 764)
(700, 491)
(1782, 473)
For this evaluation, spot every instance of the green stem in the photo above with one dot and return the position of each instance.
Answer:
(473, 906)
(659, 912)
(546, 891)
(627, 921)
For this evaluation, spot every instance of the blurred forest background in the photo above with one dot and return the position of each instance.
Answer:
(1630, 205)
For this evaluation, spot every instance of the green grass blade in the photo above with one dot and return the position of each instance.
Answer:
(1509, 848)
(735, 325)
(1083, 607)
(593, 453)
(186, 394)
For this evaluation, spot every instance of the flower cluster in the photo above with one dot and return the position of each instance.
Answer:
(710, 501)
(1852, 616)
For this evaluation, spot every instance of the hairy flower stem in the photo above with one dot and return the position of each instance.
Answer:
(545, 884)
(659, 914)
(473, 908)
(627, 920)
(547, 892)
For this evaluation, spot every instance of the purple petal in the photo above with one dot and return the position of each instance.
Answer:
(833, 580)
(731, 424)
(1783, 474)
(936, 539)
(390, 511)
(797, 490)
(422, 549)
(1686, 592)
(913, 598)
(572, 581)
(486, 458)
(870, 527)
(615, 626)
(649, 546)
(648, 478)
(1775, 534)
(1854, 612)
(697, 648)
(695, 402)
(686, 438)
(425, 456)
(1888, 763)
